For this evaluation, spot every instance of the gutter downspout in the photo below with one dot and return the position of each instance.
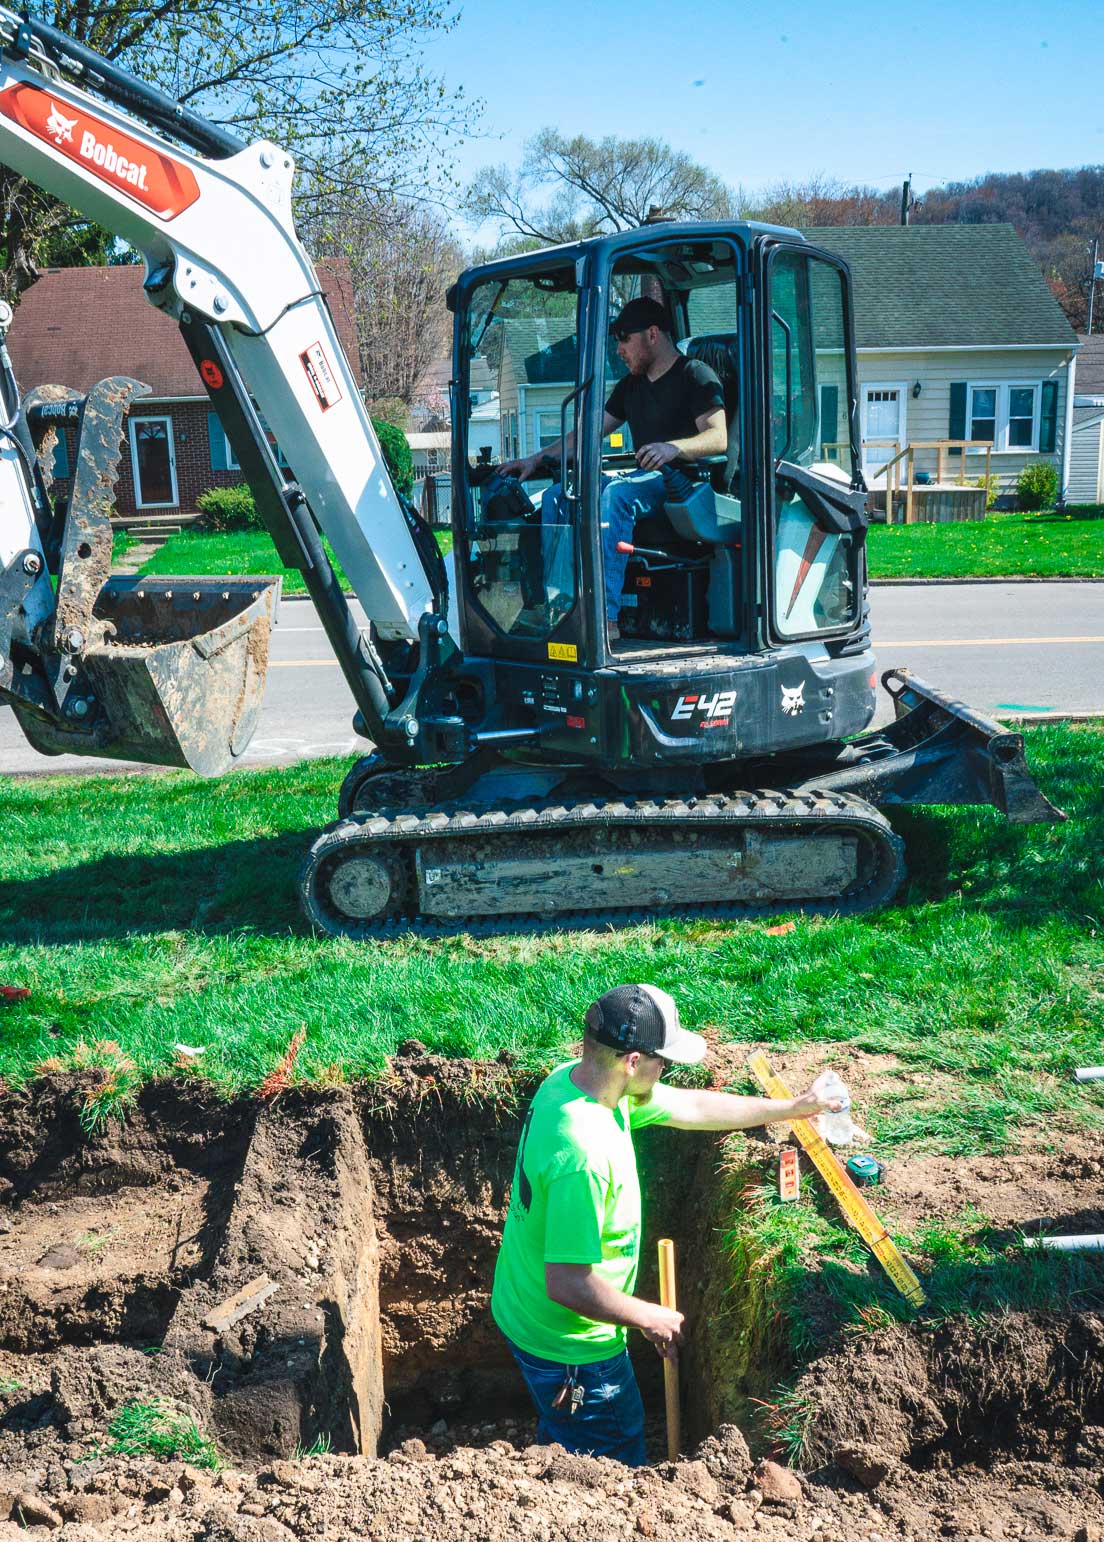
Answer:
(1067, 436)
(523, 431)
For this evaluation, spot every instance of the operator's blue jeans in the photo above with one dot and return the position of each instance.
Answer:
(625, 499)
(610, 1419)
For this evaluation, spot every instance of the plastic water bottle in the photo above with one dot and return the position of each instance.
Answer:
(838, 1129)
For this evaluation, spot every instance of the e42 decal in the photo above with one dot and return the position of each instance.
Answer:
(714, 711)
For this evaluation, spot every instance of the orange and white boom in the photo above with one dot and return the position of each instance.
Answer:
(219, 244)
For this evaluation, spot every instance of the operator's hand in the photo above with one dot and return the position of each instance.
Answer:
(812, 1102)
(524, 470)
(650, 457)
(663, 1329)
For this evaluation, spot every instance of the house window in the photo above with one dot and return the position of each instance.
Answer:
(548, 428)
(1004, 415)
(232, 459)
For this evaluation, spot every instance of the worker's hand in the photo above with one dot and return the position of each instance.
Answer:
(663, 1328)
(524, 470)
(650, 457)
(813, 1101)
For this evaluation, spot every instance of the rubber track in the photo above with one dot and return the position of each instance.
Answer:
(782, 810)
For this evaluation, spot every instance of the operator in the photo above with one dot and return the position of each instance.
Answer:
(571, 1244)
(674, 407)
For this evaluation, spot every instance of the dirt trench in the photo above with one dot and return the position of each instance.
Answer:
(376, 1215)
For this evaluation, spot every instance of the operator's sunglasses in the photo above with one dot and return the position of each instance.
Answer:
(622, 334)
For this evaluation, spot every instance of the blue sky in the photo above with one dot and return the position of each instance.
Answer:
(865, 93)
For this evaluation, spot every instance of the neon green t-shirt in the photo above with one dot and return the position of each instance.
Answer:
(575, 1200)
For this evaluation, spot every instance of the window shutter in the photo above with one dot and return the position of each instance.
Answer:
(956, 428)
(61, 456)
(829, 414)
(1048, 421)
(217, 441)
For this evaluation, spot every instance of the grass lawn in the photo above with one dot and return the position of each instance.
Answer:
(1070, 544)
(243, 552)
(149, 911)
(1003, 545)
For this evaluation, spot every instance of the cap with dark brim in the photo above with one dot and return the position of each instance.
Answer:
(644, 1018)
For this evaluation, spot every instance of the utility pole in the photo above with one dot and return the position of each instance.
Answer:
(906, 199)
(1095, 272)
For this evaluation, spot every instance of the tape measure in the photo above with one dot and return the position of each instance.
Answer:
(856, 1209)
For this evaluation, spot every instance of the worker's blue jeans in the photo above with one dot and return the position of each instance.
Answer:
(626, 498)
(610, 1419)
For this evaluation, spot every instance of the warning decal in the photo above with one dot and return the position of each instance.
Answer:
(322, 379)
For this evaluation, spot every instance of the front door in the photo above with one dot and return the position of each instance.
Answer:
(153, 462)
(883, 424)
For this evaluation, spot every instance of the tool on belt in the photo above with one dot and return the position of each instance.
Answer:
(571, 1393)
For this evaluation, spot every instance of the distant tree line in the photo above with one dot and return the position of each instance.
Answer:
(567, 187)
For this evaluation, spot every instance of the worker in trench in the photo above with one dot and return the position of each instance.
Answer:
(571, 1244)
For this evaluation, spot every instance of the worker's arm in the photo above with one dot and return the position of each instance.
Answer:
(711, 439)
(525, 470)
(577, 1287)
(691, 1109)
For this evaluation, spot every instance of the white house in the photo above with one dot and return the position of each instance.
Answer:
(1086, 479)
(958, 337)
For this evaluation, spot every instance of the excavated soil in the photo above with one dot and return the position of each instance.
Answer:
(375, 1212)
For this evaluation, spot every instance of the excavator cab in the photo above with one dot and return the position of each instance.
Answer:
(756, 553)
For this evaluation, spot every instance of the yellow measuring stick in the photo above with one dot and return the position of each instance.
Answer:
(852, 1203)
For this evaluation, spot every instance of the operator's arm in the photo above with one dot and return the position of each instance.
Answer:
(526, 469)
(577, 1287)
(691, 1109)
(711, 439)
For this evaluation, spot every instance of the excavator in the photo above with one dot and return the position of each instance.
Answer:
(528, 764)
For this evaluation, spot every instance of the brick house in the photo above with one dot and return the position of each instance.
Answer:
(76, 326)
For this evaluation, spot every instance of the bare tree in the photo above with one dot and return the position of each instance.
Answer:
(567, 188)
(819, 200)
(337, 82)
(402, 257)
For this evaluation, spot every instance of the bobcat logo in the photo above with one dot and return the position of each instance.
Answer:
(793, 701)
(59, 126)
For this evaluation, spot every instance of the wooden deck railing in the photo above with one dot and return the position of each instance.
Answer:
(893, 472)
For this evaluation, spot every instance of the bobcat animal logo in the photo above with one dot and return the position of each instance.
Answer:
(793, 701)
(60, 126)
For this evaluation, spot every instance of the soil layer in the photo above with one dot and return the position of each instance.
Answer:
(376, 1212)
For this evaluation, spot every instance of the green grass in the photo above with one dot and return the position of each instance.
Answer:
(242, 553)
(161, 1430)
(1002, 545)
(147, 912)
(1070, 544)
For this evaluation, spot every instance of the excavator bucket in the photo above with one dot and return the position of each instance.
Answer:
(178, 680)
(169, 671)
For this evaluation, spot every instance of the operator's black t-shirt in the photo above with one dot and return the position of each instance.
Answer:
(667, 408)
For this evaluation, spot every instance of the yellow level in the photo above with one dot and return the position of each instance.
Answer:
(854, 1206)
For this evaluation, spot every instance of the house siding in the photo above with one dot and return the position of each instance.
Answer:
(928, 415)
(1086, 447)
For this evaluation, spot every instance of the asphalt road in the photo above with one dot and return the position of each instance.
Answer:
(1000, 647)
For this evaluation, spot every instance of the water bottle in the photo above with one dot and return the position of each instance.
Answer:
(837, 1126)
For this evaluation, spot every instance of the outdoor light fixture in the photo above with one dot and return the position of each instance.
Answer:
(917, 388)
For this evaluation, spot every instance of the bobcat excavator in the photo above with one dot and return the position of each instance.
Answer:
(523, 766)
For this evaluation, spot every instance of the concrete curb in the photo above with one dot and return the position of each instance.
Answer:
(1035, 719)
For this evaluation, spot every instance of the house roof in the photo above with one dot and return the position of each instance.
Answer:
(945, 286)
(76, 326)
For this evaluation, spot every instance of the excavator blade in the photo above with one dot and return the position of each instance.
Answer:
(177, 679)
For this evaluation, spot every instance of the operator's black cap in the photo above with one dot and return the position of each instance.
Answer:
(643, 1017)
(640, 313)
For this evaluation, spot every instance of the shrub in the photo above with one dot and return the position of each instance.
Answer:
(229, 508)
(991, 485)
(1037, 486)
(396, 452)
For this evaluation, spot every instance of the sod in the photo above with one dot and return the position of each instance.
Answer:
(1066, 544)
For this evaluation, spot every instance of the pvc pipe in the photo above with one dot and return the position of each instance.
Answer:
(667, 1297)
(1091, 1242)
(1089, 1073)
